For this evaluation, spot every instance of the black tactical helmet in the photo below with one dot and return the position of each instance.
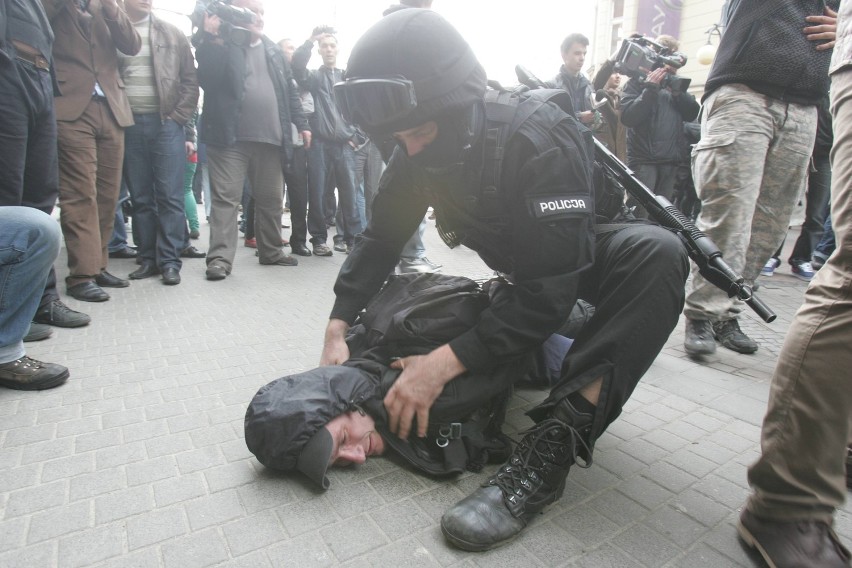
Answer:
(410, 67)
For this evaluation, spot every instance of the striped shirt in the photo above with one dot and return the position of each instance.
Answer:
(137, 71)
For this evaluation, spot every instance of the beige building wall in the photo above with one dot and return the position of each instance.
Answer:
(697, 17)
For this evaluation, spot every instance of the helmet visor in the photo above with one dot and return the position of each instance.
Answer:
(374, 102)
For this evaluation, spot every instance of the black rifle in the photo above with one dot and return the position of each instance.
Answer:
(700, 248)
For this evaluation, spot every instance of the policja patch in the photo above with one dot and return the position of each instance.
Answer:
(553, 207)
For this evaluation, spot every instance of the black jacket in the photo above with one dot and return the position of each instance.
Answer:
(763, 47)
(412, 315)
(326, 123)
(654, 118)
(221, 73)
(578, 87)
(541, 234)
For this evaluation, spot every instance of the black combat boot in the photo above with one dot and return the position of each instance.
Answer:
(532, 478)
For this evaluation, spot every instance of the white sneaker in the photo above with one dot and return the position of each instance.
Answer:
(422, 265)
(770, 266)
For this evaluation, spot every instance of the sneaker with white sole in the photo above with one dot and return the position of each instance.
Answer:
(803, 270)
(770, 266)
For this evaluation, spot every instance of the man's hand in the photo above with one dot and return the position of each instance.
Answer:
(306, 138)
(110, 8)
(656, 76)
(211, 24)
(824, 30)
(422, 379)
(190, 148)
(334, 349)
(587, 117)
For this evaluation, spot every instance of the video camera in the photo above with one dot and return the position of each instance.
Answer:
(234, 19)
(638, 55)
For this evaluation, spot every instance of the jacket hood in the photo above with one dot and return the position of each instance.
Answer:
(287, 412)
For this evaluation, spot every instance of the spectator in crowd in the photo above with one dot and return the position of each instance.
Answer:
(816, 203)
(552, 257)
(654, 110)
(611, 131)
(332, 152)
(571, 78)
(118, 246)
(826, 244)
(758, 126)
(162, 88)
(189, 203)
(799, 479)
(92, 112)
(296, 172)
(28, 155)
(249, 104)
(29, 245)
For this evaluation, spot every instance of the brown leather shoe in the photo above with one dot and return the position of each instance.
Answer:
(793, 544)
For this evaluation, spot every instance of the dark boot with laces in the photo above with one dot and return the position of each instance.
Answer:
(28, 374)
(532, 478)
(793, 544)
(729, 334)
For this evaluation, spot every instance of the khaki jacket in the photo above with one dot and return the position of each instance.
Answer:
(84, 51)
(174, 72)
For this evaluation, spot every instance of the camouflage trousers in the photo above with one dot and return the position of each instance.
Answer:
(800, 474)
(749, 166)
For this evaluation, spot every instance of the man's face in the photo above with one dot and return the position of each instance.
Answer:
(574, 57)
(414, 140)
(328, 50)
(137, 9)
(256, 6)
(613, 82)
(355, 438)
(288, 48)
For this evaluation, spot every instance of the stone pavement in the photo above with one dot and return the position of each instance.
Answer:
(140, 461)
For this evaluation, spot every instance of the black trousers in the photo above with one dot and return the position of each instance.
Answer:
(637, 286)
(29, 166)
(296, 178)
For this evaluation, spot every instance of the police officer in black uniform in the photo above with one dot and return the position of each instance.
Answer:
(413, 79)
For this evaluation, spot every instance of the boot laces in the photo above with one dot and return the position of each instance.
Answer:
(551, 442)
(28, 363)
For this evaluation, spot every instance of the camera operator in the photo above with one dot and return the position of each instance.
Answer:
(250, 100)
(654, 109)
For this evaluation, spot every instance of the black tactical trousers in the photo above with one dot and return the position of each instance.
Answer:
(637, 286)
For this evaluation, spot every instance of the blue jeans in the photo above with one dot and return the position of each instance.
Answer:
(414, 247)
(332, 160)
(155, 155)
(29, 245)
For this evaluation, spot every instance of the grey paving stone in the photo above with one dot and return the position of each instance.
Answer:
(675, 525)
(266, 492)
(252, 533)
(33, 499)
(700, 507)
(97, 483)
(91, 546)
(168, 445)
(702, 556)
(214, 509)
(155, 526)
(300, 517)
(230, 476)
(12, 534)
(43, 554)
(618, 508)
(405, 552)
(97, 440)
(148, 558)
(550, 543)
(198, 549)
(606, 556)
(43, 451)
(645, 545)
(29, 435)
(121, 504)
(19, 477)
(400, 519)
(151, 470)
(56, 414)
(306, 550)
(645, 491)
(201, 459)
(669, 476)
(176, 489)
(122, 418)
(115, 456)
(587, 526)
(60, 521)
